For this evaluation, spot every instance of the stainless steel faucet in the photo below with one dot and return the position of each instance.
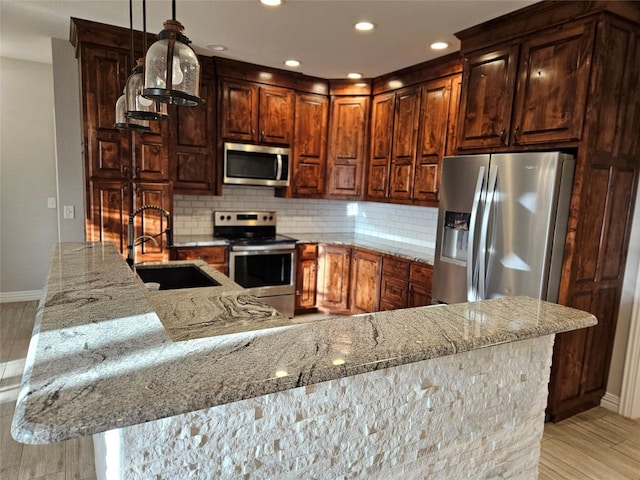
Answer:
(131, 238)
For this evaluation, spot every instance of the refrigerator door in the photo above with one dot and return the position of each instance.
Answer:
(528, 211)
(455, 276)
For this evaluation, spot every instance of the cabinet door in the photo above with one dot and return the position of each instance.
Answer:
(306, 276)
(193, 158)
(275, 116)
(309, 146)
(150, 158)
(394, 284)
(239, 116)
(405, 134)
(365, 281)
(434, 120)
(152, 222)
(108, 212)
(380, 151)
(348, 126)
(420, 285)
(334, 262)
(488, 87)
(553, 84)
(104, 74)
(216, 256)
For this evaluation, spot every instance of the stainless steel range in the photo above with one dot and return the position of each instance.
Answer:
(260, 260)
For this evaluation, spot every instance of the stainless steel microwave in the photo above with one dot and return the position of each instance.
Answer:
(256, 165)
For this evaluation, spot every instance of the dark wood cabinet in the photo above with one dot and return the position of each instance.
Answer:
(436, 108)
(108, 209)
(404, 145)
(306, 277)
(543, 80)
(216, 256)
(366, 267)
(256, 113)
(150, 159)
(348, 130)
(576, 86)
(309, 151)
(382, 109)
(334, 268)
(409, 134)
(194, 138)
(420, 276)
(394, 287)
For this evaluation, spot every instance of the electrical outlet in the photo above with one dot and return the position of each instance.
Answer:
(51, 202)
(69, 211)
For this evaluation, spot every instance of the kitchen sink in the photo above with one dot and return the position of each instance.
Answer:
(172, 277)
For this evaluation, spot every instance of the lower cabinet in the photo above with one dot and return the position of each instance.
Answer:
(306, 277)
(334, 266)
(394, 288)
(365, 281)
(420, 276)
(217, 257)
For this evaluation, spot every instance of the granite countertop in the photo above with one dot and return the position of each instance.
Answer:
(101, 357)
(416, 253)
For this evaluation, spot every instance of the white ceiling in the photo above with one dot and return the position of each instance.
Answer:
(319, 33)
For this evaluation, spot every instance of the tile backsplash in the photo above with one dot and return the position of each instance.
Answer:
(193, 215)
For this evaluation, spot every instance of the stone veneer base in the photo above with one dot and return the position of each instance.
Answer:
(478, 414)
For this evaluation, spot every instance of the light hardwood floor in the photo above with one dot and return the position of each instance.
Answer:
(595, 445)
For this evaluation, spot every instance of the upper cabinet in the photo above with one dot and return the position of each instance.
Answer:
(410, 129)
(192, 158)
(543, 79)
(255, 113)
(309, 151)
(348, 127)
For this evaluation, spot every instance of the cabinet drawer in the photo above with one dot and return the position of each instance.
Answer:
(394, 291)
(396, 267)
(211, 255)
(307, 251)
(421, 274)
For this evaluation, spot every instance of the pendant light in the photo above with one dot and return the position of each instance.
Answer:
(139, 107)
(172, 69)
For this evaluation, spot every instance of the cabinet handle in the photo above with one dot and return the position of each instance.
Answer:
(125, 170)
(137, 170)
(516, 135)
(502, 136)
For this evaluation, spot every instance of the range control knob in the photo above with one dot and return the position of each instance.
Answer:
(228, 217)
(270, 217)
(264, 218)
(221, 217)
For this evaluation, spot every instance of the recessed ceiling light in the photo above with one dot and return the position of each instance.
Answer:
(354, 75)
(439, 45)
(217, 48)
(292, 63)
(364, 26)
(271, 3)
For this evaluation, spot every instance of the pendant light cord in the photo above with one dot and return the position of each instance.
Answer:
(133, 61)
(144, 27)
(173, 9)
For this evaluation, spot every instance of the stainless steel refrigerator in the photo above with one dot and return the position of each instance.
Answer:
(502, 223)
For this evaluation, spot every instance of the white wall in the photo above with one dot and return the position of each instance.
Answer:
(28, 229)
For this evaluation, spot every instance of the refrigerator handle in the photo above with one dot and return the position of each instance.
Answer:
(472, 291)
(484, 233)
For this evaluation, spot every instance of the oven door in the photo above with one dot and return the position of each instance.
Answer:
(263, 270)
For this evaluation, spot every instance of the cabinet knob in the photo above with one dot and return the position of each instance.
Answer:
(502, 136)
(125, 170)
(137, 170)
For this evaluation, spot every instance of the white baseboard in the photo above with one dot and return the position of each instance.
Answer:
(25, 296)
(610, 402)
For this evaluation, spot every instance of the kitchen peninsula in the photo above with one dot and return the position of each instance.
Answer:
(444, 389)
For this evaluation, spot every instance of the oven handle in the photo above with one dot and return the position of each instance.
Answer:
(262, 249)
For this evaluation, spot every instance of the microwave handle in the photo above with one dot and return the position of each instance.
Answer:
(279, 167)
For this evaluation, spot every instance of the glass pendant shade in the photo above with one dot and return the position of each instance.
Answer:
(140, 107)
(172, 69)
(125, 123)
